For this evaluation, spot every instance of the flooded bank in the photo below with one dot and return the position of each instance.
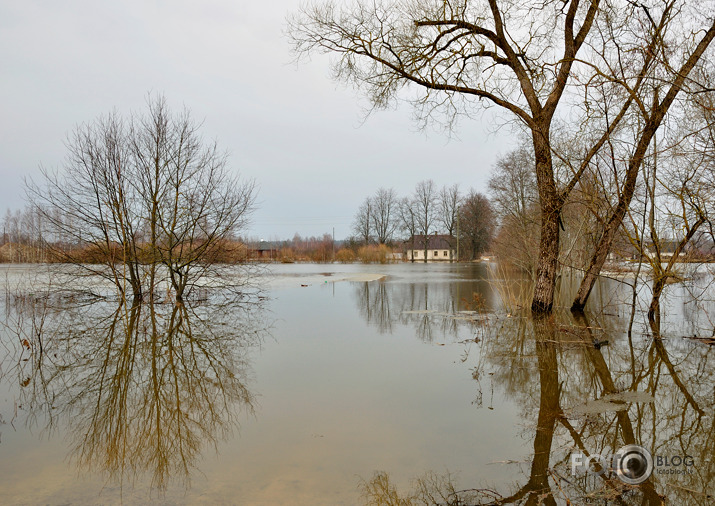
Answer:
(349, 379)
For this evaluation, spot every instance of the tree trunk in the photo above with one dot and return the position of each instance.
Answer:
(654, 307)
(598, 259)
(551, 205)
(609, 233)
(547, 266)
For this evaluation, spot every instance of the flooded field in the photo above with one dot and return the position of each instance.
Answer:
(339, 384)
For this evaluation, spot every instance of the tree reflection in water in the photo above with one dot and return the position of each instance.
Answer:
(555, 369)
(142, 388)
(432, 309)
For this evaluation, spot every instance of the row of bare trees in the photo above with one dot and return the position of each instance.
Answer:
(590, 82)
(151, 200)
(22, 239)
(384, 216)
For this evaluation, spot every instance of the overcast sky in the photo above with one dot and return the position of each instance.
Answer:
(299, 134)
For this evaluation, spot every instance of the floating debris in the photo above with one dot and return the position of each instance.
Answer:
(610, 402)
(704, 340)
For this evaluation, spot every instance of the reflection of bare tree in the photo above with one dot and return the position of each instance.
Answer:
(669, 425)
(680, 421)
(374, 305)
(432, 309)
(538, 490)
(586, 384)
(562, 371)
(144, 388)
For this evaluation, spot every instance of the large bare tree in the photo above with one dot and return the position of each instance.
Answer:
(669, 44)
(532, 59)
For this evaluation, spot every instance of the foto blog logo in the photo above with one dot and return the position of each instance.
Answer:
(632, 464)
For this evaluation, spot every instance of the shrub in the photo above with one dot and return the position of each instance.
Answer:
(374, 253)
(345, 256)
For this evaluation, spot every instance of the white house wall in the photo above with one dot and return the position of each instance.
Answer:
(441, 255)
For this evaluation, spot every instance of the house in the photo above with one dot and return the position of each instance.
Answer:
(440, 247)
(667, 247)
(266, 250)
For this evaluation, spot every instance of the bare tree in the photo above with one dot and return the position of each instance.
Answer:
(512, 185)
(384, 214)
(449, 201)
(23, 233)
(515, 205)
(526, 58)
(425, 206)
(408, 220)
(362, 226)
(661, 75)
(476, 225)
(140, 194)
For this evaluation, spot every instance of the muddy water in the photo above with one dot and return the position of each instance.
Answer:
(301, 394)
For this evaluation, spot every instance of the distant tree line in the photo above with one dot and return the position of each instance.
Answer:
(22, 237)
(385, 218)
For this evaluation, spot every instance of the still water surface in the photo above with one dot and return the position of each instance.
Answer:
(336, 372)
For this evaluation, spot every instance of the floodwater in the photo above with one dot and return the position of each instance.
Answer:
(336, 378)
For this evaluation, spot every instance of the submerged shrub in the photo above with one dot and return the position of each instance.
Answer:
(374, 253)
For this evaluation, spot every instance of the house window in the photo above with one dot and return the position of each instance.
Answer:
(436, 253)
(445, 253)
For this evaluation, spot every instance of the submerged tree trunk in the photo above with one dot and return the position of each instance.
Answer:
(547, 267)
(603, 247)
(551, 203)
(660, 275)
